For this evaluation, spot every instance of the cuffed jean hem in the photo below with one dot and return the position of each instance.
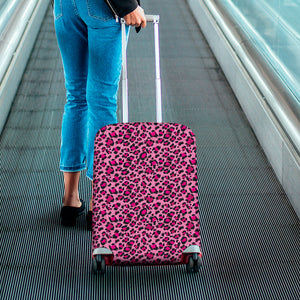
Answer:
(89, 176)
(73, 169)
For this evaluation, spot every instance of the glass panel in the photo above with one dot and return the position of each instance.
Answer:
(7, 8)
(273, 26)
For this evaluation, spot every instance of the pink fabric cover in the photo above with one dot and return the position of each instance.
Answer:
(145, 194)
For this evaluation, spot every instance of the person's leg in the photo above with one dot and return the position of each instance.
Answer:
(105, 62)
(73, 206)
(71, 196)
(103, 79)
(71, 35)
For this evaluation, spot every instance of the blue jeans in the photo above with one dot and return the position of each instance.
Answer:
(89, 40)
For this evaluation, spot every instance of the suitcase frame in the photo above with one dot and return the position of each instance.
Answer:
(165, 156)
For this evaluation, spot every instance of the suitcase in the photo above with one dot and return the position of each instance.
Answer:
(145, 193)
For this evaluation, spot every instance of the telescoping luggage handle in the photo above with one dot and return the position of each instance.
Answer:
(155, 20)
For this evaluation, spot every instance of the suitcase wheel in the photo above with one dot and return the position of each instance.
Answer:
(194, 263)
(98, 264)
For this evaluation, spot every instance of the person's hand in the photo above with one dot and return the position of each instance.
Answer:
(136, 18)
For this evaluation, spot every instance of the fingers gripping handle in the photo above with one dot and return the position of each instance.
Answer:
(155, 20)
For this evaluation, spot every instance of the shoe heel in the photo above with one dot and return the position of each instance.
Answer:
(68, 221)
(68, 217)
(89, 217)
(69, 214)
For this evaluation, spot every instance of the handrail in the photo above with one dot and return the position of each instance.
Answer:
(20, 23)
(7, 10)
(13, 33)
(280, 99)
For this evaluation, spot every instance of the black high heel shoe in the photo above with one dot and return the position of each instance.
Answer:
(69, 214)
(89, 217)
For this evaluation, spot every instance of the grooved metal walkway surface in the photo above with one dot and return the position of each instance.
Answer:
(250, 233)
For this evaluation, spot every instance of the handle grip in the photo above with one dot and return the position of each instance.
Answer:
(149, 18)
(152, 18)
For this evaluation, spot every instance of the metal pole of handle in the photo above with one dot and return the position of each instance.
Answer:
(124, 74)
(155, 20)
(157, 72)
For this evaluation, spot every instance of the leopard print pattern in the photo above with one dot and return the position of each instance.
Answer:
(145, 194)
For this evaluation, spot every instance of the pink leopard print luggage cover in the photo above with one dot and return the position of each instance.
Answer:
(145, 194)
